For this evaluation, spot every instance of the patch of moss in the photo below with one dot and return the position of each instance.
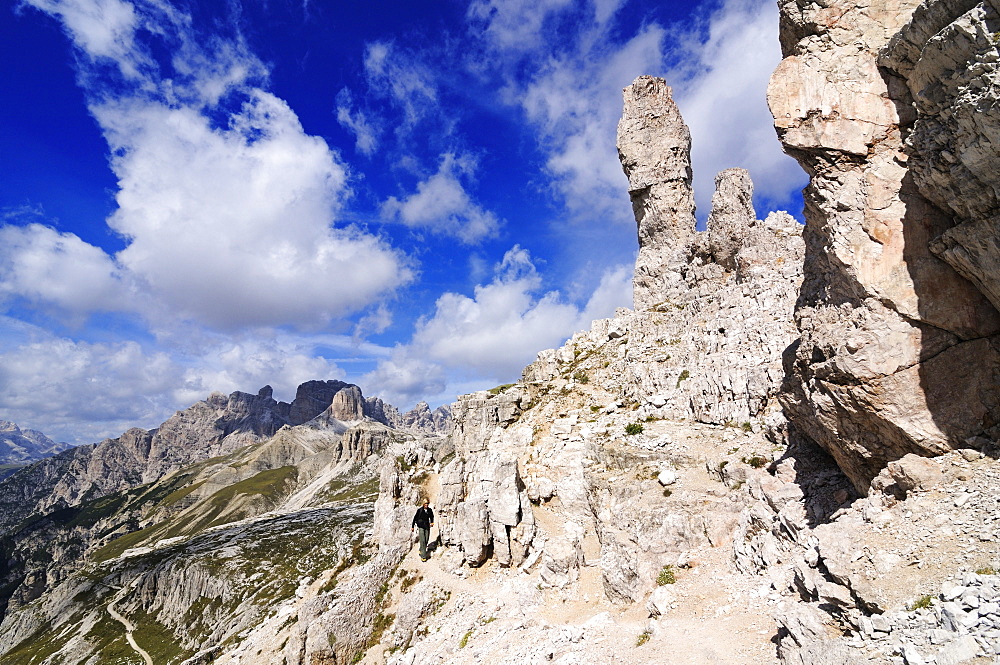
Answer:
(685, 375)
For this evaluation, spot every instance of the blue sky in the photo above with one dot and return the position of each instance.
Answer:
(414, 197)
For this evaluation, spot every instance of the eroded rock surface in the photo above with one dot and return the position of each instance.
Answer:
(880, 103)
(654, 145)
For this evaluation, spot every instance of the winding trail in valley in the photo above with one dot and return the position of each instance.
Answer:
(129, 628)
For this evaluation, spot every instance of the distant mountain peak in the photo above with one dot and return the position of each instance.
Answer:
(24, 446)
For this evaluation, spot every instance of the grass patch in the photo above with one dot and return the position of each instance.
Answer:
(9, 469)
(179, 494)
(499, 389)
(345, 490)
(685, 375)
(36, 648)
(118, 546)
(157, 639)
(666, 576)
(921, 603)
(987, 570)
(643, 637)
(756, 461)
(633, 428)
(108, 638)
(462, 643)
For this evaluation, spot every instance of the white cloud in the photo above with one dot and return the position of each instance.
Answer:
(230, 227)
(375, 322)
(720, 88)
(102, 29)
(576, 104)
(405, 378)
(49, 268)
(249, 362)
(442, 205)
(403, 78)
(227, 223)
(497, 332)
(573, 98)
(82, 392)
(513, 24)
(365, 132)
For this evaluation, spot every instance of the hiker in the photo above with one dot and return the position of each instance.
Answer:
(423, 520)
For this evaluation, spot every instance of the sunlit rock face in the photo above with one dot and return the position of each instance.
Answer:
(654, 146)
(889, 107)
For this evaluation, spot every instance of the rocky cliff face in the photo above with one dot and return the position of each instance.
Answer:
(887, 108)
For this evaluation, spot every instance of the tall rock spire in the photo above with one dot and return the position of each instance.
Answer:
(654, 146)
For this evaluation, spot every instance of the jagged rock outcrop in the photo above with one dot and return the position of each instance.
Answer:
(889, 109)
(706, 345)
(654, 146)
(23, 446)
(732, 216)
(418, 419)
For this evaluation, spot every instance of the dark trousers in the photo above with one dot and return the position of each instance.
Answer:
(424, 535)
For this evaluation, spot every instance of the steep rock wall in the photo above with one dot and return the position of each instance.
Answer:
(899, 352)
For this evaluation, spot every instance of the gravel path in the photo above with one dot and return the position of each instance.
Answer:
(129, 628)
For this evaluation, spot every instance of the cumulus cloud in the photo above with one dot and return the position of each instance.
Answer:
(496, 332)
(442, 205)
(231, 227)
(249, 362)
(60, 270)
(575, 102)
(405, 378)
(81, 392)
(226, 204)
(720, 83)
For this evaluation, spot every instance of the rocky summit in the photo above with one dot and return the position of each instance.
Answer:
(785, 453)
(19, 447)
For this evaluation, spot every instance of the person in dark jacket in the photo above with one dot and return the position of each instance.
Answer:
(423, 520)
